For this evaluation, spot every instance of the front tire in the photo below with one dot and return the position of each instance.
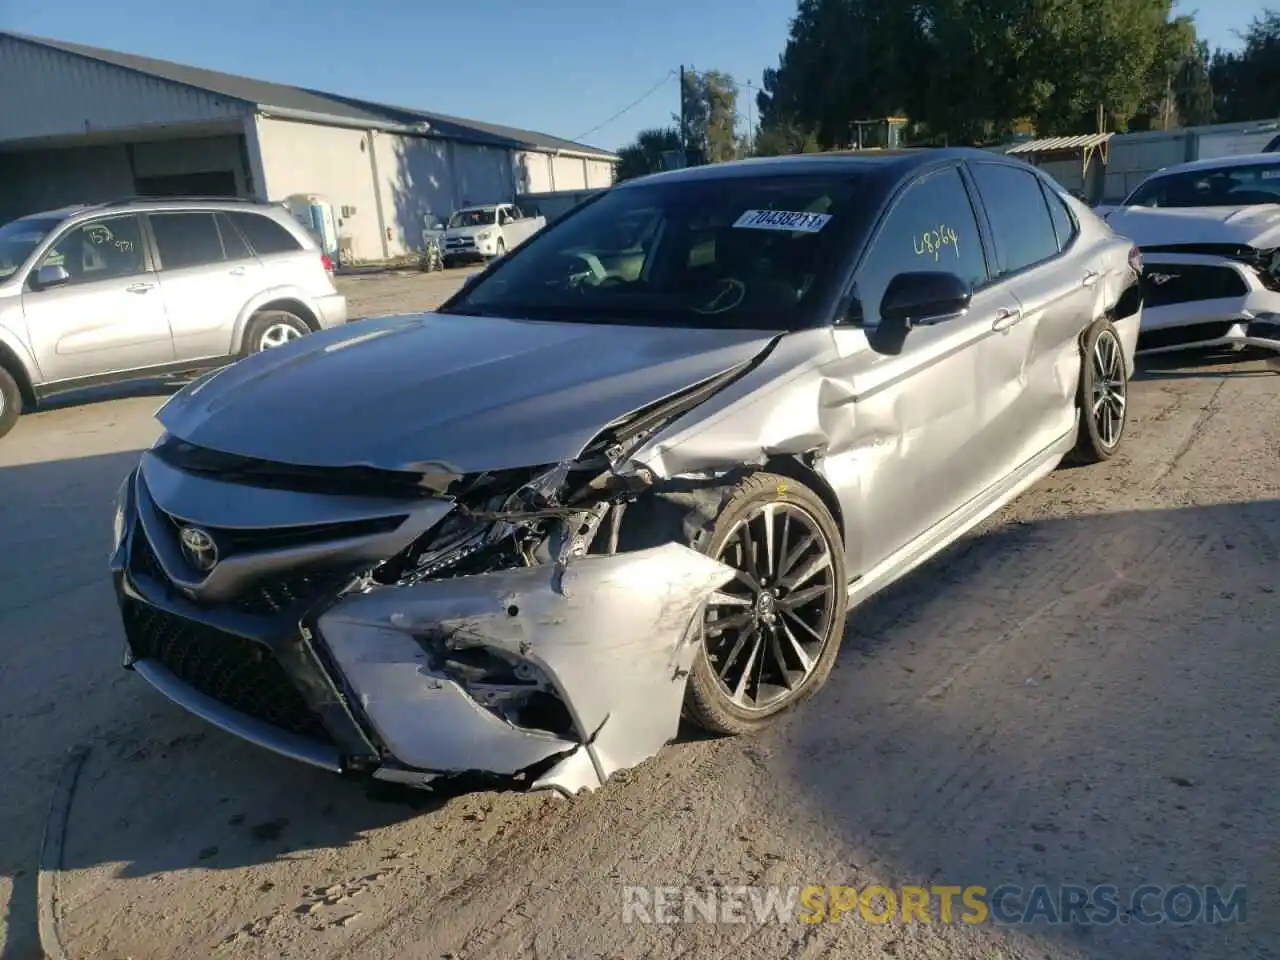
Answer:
(10, 401)
(1103, 397)
(770, 637)
(274, 328)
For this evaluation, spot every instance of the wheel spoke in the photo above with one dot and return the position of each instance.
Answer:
(769, 558)
(798, 599)
(819, 563)
(748, 551)
(793, 617)
(741, 687)
(805, 660)
(741, 642)
(719, 625)
(793, 557)
(722, 599)
(784, 671)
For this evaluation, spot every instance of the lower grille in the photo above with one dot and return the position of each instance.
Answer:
(1178, 336)
(236, 672)
(1265, 328)
(1183, 283)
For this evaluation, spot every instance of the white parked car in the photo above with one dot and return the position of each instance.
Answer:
(1209, 232)
(487, 231)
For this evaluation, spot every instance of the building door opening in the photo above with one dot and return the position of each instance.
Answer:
(217, 183)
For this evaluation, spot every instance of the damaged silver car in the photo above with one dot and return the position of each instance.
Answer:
(638, 469)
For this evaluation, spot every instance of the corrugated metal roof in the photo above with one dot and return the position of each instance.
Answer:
(1048, 144)
(266, 94)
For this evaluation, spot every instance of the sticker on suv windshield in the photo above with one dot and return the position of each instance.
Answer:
(782, 220)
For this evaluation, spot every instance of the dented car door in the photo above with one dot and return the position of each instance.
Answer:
(1053, 281)
(919, 411)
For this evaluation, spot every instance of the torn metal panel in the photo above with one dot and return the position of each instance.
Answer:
(611, 635)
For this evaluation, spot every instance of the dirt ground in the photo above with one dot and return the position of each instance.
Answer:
(1086, 691)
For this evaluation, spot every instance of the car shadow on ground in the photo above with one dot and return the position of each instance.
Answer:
(1081, 701)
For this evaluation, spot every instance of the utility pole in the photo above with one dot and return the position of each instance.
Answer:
(684, 143)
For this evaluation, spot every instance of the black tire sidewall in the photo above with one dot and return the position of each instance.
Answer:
(261, 323)
(705, 700)
(12, 408)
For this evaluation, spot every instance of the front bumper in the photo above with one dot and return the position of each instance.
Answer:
(357, 683)
(1248, 317)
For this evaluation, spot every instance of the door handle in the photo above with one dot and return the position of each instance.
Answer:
(1006, 317)
(1090, 278)
(140, 287)
(238, 272)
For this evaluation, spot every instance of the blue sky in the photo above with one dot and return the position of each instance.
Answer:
(560, 66)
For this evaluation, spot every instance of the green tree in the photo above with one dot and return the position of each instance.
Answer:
(711, 114)
(779, 138)
(1246, 84)
(971, 70)
(644, 155)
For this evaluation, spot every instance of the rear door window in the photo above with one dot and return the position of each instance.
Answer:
(186, 240)
(931, 228)
(265, 236)
(1021, 226)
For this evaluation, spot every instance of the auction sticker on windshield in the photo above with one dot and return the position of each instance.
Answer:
(782, 220)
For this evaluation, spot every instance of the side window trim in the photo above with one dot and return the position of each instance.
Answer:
(224, 224)
(1011, 274)
(1050, 194)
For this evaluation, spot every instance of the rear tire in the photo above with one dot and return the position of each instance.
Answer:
(1103, 397)
(10, 401)
(783, 539)
(273, 328)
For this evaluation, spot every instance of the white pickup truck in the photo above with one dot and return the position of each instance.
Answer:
(486, 231)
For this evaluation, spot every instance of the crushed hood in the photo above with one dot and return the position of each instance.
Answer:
(1253, 226)
(462, 393)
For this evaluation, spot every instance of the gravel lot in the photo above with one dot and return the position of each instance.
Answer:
(1087, 691)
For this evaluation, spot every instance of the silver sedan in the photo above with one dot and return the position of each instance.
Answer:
(641, 467)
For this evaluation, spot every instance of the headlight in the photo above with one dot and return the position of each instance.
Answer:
(117, 521)
(484, 237)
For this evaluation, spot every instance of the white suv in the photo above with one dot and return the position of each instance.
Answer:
(138, 288)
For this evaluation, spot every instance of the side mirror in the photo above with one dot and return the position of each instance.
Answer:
(914, 299)
(50, 275)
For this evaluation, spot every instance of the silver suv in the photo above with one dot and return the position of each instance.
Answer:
(139, 288)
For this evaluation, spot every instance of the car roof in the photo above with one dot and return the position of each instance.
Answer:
(891, 164)
(150, 203)
(1218, 163)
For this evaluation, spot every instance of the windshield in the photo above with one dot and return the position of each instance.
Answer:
(473, 218)
(741, 252)
(18, 239)
(1236, 186)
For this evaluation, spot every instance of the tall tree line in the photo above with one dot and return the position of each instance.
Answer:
(973, 71)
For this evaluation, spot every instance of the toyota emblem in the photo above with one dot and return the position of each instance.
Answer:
(199, 549)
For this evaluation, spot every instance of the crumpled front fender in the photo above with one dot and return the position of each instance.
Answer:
(613, 635)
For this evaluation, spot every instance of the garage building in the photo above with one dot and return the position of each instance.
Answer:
(95, 125)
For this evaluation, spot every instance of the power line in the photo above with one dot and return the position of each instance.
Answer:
(629, 107)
